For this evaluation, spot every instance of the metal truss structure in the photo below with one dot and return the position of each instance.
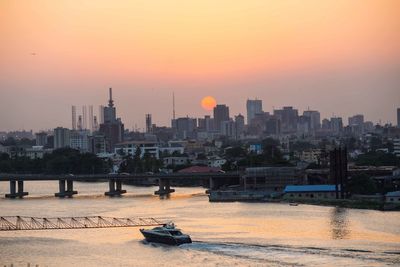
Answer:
(14, 223)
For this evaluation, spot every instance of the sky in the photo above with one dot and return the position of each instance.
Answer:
(341, 57)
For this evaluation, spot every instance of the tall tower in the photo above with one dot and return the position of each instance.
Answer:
(91, 118)
(148, 123)
(84, 117)
(73, 117)
(173, 105)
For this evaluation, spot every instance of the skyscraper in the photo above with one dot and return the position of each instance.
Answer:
(148, 124)
(289, 117)
(315, 119)
(398, 117)
(221, 113)
(112, 128)
(61, 137)
(73, 110)
(253, 107)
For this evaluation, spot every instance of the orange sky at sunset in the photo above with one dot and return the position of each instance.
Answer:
(301, 53)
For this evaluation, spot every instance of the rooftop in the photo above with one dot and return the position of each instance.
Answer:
(310, 188)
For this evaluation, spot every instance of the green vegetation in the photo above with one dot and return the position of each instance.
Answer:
(362, 184)
(60, 161)
(377, 158)
(136, 164)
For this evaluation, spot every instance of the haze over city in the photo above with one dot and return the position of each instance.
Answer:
(338, 57)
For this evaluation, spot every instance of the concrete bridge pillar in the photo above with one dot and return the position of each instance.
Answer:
(65, 193)
(164, 187)
(13, 189)
(115, 188)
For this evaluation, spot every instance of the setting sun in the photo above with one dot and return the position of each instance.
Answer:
(208, 103)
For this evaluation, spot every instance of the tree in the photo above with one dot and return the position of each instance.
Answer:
(361, 184)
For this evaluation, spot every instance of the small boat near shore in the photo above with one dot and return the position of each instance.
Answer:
(166, 234)
(293, 204)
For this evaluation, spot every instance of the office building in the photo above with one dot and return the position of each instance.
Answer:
(41, 139)
(221, 113)
(112, 128)
(288, 117)
(315, 119)
(61, 137)
(253, 107)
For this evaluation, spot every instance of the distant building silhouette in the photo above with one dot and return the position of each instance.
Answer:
(112, 128)
(61, 137)
(221, 113)
(253, 107)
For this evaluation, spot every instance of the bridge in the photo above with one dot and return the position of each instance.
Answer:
(66, 182)
(15, 223)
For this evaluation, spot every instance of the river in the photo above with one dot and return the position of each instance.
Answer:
(224, 234)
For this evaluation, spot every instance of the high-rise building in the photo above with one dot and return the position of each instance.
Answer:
(185, 127)
(228, 128)
(84, 118)
(149, 125)
(398, 117)
(356, 124)
(315, 119)
(112, 128)
(253, 107)
(288, 117)
(356, 120)
(41, 139)
(336, 125)
(73, 110)
(91, 119)
(273, 126)
(79, 140)
(61, 137)
(221, 113)
(239, 126)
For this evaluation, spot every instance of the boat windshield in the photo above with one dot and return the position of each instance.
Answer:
(175, 232)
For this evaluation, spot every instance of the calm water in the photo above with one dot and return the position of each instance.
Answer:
(224, 234)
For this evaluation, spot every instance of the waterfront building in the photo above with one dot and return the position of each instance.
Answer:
(253, 107)
(272, 178)
(325, 191)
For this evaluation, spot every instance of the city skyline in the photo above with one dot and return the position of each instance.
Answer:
(322, 55)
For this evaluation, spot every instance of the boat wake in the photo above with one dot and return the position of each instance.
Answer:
(282, 255)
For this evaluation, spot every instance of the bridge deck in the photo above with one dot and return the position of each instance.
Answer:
(14, 223)
(121, 177)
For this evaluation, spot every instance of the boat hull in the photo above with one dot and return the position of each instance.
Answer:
(164, 239)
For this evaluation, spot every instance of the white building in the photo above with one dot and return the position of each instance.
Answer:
(79, 140)
(129, 148)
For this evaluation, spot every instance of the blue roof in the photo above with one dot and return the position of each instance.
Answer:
(310, 188)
